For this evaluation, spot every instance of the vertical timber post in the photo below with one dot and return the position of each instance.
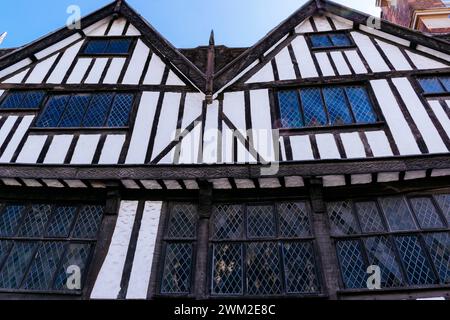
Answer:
(327, 255)
(204, 212)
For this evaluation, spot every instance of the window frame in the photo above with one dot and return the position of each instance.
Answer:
(52, 93)
(308, 36)
(418, 77)
(418, 233)
(133, 43)
(276, 111)
(277, 240)
(22, 110)
(165, 240)
(38, 241)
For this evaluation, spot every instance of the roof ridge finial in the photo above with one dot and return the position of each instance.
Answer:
(319, 4)
(118, 5)
(212, 41)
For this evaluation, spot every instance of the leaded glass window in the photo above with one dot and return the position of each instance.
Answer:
(39, 242)
(433, 85)
(406, 237)
(179, 239)
(22, 100)
(97, 110)
(330, 40)
(107, 46)
(328, 106)
(263, 250)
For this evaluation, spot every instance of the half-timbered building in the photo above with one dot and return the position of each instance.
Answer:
(303, 166)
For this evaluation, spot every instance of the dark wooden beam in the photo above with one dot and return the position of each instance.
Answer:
(246, 171)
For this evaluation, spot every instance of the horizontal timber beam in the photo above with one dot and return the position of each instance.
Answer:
(244, 171)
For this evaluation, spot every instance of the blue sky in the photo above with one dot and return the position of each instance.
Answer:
(185, 23)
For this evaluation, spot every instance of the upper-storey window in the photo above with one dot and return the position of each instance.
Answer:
(22, 100)
(86, 110)
(408, 238)
(435, 84)
(41, 245)
(107, 46)
(330, 40)
(314, 106)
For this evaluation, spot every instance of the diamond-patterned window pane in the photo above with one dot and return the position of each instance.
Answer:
(119, 46)
(183, 221)
(77, 254)
(414, 261)
(426, 213)
(177, 269)
(263, 269)
(444, 202)
(294, 220)
(260, 222)
(313, 107)
(361, 105)
(98, 110)
(369, 217)
(33, 100)
(5, 245)
(446, 82)
(227, 275)
(228, 222)
(439, 247)
(16, 265)
(35, 221)
(52, 112)
(120, 110)
(381, 253)
(290, 109)
(341, 218)
(338, 108)
(340, 40)
(300, 268)
(10, 219)
(321, 41)
(96, 46)
(397, 213)
(75, 111)
(353, 267)
(13, 100)
(88, 222)
(44, 266)
(61, 222)
(23, 100)
(431, 85)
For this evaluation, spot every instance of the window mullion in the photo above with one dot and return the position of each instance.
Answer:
(30, 263)
(60, 264)
(349, 105)
(325, 106)
(392, 242)
(86, 111)
(108, 114)
(301, 108)
(65, 109)
(428, 257)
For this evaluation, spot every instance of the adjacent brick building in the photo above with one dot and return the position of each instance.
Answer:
(432, 16)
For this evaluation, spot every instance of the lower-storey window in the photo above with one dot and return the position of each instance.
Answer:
(408, 238)
(180, 236)
(43, 245)
(263, 249)
(254, 250)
